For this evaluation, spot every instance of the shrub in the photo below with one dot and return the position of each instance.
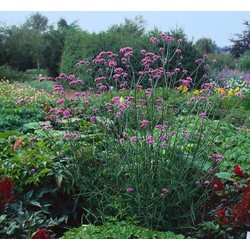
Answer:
(244, 61)
(117, 230)
(223, 61)
(10, 74)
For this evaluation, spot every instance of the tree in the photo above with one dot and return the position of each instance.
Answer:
(62, 24)
(205, 46)
(36, 22)
(3, 55)
(53, 47)
(134, 27)
(242, 43)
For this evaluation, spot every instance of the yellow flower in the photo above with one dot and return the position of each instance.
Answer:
(230, 92)
(121, 100)
(196, 92)
(220, 91)
(237, 90)
(185, 89)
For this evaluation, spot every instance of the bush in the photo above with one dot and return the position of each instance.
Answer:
(33, 74)
(10, 74)
(117, 230)
(244, 61)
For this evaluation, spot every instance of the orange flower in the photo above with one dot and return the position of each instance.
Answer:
(17, 143)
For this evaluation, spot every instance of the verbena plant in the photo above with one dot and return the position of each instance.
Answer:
(131, 149)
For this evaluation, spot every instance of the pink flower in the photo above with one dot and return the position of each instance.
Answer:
(60, 101)
(163, 138)
(164, 190)
(180, 40)
(197, 182)
(203, 115)
(207, 182)
(144, 123)
(153, 40)
(92, 119)
(133, 139)
(42, 79)
(129, 190)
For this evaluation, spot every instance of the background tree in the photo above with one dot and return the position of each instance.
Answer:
(36, 22)
(3, 55)
(241, 43)
(205, 46)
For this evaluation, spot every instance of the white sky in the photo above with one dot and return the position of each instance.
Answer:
(197, 18)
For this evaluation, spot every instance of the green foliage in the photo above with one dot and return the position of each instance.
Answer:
(22, 214)
(10, 74)
(117, 230)
(222, 61)
(14, 98)
(36, 21)
(150, 153)
(205, 46)
(33, 74)
(78, 46)
(244, 61)
(47, 86)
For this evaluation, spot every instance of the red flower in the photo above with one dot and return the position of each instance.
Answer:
(42, 234)
(6, 189)
(238, 171)
(221, 213)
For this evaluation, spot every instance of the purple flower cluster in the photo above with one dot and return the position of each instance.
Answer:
(216, 157)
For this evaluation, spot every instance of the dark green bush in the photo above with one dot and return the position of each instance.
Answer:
(8, 73)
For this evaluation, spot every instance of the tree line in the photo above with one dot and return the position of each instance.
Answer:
(56, 48)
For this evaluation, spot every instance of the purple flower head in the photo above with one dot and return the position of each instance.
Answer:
(92, 119)
(129, 190)
(62, 75)
(153, 40)
(133, 139)
(144, 123)
(203, 115)
(122, 140)
(60, 101)
(180, 40)
(42, 79)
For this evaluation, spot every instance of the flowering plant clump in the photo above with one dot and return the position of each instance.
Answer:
(156, 154)
(145, 141)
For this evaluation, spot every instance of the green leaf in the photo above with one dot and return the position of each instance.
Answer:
(45, 171)
(35, 203)
(5, 135)
(224, 175)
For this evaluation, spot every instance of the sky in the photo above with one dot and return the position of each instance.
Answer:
(216, 23)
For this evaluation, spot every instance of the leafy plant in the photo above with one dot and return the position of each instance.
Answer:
(117, 230)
